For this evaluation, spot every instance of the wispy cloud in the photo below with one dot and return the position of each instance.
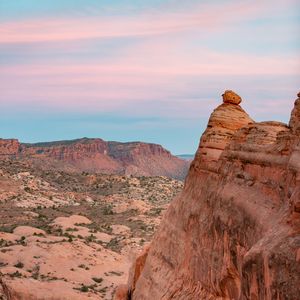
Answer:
(204, 18)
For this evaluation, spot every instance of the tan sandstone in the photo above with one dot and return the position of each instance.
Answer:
(233, 233)
(231, 97)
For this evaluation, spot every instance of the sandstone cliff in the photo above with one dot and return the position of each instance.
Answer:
(97, 155)
(233, 233)
(9, 147)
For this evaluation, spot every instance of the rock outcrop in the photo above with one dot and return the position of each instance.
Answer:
(225, 120)
(231, 97)
(97, 155)
(9, 147)
(234, 231)
(295, 117)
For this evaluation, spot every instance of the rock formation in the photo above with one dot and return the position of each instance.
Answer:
(9, 147)
(225, 120)
(97, 155)
(234, 231)
(231, 97)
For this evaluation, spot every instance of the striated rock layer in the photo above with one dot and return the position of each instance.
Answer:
(9, 147)
(234, 232)
(97, 155)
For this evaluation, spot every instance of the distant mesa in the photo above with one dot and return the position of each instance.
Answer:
(231, 97)
(9, 147)
(188, 157)
(98, 156)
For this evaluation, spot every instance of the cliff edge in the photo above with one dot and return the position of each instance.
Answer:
(97, 156)
(234, 231)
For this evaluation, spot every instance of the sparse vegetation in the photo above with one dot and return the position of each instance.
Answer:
(98, 280)
(15, 274)
(27, 189)
(84, 289)
(128, 201)
(108, 210)
(19, 265)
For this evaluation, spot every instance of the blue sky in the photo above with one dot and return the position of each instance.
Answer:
(142, 70)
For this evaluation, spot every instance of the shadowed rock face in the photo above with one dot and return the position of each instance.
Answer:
(233, 233)
(97, 155)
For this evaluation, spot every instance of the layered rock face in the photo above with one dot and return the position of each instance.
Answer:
(147, 159)
(97, 155)
(225, 120)
(234, 232)
(9, 147)
(90, 155)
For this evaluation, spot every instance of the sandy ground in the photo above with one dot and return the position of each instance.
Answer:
(70, 236)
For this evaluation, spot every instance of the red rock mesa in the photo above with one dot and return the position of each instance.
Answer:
(97, 155)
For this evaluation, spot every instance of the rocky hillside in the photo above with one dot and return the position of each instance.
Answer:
(9, 148)
(97, 155)
(234, 231)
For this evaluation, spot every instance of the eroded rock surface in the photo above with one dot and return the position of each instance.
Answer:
(233, 233)
(97, 155)
(9, 147)
(225, 120)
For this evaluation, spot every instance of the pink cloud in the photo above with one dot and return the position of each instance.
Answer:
(202, 17)
(159, 57)
(131, 80)
(142, 72)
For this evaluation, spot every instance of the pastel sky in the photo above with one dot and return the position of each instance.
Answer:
(148, 70)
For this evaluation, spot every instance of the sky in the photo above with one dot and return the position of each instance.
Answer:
(143, 70)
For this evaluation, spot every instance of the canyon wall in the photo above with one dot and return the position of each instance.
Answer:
(97, 155)
(234, 232)
(9, 147)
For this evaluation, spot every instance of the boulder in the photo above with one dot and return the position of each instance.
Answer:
(231, 97)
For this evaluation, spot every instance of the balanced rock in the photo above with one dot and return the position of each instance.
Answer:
(231, 97)
(222, 125)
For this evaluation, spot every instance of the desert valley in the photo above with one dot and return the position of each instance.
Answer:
(75, 213)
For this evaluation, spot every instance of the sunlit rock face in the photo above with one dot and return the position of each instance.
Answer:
(231, 97)
(233, 233)
(225, 120)
(97, 155)
(9, 147)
